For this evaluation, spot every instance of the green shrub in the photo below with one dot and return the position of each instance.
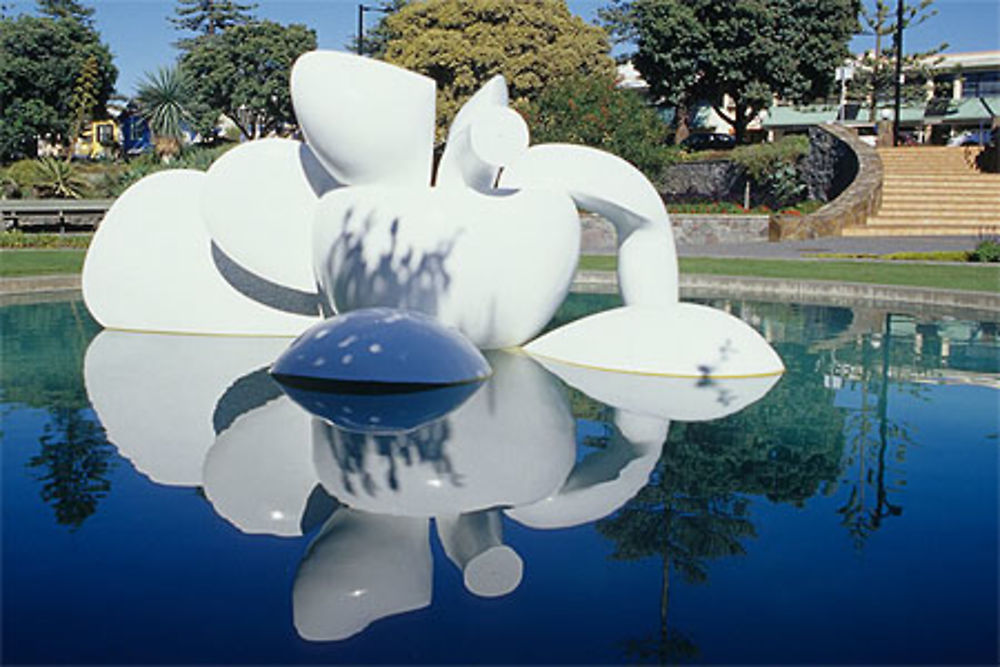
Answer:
(591, 110)
(986, 251)
(58, 179)
(117, 178)
(773, 169)
(18, 180)
(758, 159)
(18, 239)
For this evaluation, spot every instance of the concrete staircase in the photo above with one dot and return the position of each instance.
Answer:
(934, 191)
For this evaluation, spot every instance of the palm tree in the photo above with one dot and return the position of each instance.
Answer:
(163, 98)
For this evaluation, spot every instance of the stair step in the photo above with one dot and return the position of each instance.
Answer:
(953, 175)
(928, 211)
(917, 221)
(967, 203)
(934, 191)
(917, 184)
(914, 230)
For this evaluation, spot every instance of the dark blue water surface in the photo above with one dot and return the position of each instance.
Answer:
(849, 516)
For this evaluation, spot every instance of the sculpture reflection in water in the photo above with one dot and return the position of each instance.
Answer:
(202, 411)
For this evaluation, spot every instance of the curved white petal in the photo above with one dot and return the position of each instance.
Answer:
(511, 443)
(604, 480)
(150, 267)
(674, 398)
(606, 184)
(259, 473)
(448, 253)
(484, 136)
(259, 205)
(367, 121)
(360, 568)
(685, 340)
(157, 395)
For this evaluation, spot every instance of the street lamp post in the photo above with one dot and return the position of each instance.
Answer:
(361, 23)
(899, 72)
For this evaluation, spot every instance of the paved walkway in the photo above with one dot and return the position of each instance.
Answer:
(835, 244)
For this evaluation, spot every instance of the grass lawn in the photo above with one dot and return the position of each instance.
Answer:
(14, 263)
(977, 277)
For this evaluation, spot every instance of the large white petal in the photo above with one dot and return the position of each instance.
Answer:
(151, 267)
(259, 205)
(368, 121)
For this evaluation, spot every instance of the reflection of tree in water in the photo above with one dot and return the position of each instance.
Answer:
(787, 448)
(685, 520)
(875, 441)
(42, 358)
(73, 465)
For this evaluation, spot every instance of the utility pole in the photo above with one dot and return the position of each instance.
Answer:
(361, 23)
(899, 72)
(361, 28)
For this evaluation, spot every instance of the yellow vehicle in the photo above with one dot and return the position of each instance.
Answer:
(100, 140)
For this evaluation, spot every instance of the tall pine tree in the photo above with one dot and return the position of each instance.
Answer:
(209, 17)
(66, 9)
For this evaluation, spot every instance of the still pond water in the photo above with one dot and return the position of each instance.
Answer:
(159, 508)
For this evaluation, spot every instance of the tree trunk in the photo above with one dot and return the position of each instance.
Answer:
(740, 123)
(683, 131)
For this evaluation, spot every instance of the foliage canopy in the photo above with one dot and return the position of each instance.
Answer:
(593, 111)
(41, 60)
(750, 51)
(463, 43)
(209, 17)
(243, 72)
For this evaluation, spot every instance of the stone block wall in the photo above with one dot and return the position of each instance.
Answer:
(599, 235)
(712, 180)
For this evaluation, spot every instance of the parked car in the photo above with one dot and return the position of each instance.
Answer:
(707, 141)
(973, 138)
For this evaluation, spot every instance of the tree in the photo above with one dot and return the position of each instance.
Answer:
(209, 17)
(66, 9)
(593, 111)
(163, 98)
(749, 52)
(463, 43)
(874, 78)
(41, 59)
(243, 72)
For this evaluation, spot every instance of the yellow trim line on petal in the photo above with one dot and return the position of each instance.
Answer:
(649, 374)
(204, 334)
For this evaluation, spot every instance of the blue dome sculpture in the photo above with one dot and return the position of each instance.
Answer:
(351, 369)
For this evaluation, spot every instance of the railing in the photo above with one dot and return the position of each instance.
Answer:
(862, 198)
(53, 214)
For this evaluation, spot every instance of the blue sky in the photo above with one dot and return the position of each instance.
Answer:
(140, 35)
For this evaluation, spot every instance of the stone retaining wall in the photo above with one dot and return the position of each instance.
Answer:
(708, 180)
(599, 235)
(860, 199)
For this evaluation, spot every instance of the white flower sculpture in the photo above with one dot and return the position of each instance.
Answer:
(279, 233)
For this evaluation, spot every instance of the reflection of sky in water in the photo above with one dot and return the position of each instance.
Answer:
(785, 510)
